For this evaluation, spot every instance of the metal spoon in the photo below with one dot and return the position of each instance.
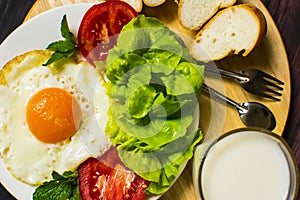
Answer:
(252, 114)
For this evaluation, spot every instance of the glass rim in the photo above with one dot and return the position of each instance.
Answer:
(284, 146)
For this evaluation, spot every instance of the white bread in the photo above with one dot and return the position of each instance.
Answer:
(136, 4)
(192, 14)
(153, 3)
(234, 30)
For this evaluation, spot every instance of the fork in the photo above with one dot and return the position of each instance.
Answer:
(254, 81)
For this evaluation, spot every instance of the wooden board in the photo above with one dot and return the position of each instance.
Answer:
(216, 118)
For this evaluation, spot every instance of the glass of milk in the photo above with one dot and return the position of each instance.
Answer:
(245, 164)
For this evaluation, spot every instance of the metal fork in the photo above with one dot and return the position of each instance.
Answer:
(254, 81)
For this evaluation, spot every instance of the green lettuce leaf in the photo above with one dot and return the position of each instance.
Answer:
(154, 86)
(140, 102)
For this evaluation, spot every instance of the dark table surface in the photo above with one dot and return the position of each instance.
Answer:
(286, 14)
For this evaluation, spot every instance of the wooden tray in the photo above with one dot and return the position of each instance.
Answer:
(216, 118)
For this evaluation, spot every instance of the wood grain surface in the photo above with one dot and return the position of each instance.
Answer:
(270, 56)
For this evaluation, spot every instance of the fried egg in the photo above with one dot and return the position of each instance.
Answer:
(51, 118)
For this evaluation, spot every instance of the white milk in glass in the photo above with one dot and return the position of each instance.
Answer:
(245, 166)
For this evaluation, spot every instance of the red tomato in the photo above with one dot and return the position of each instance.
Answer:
(108, 179)
(100, 26)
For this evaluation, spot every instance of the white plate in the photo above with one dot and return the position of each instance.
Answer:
(37, 33)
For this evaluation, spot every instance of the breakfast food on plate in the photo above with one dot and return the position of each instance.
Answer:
(153, 3)
(49, 116)
(192, 14)
(234, 30)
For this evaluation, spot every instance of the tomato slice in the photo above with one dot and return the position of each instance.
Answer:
(99, 28)
(107, 178)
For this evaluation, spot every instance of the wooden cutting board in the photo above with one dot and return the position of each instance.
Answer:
(216, 118)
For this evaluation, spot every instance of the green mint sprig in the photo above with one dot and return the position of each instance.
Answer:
(63, 48)
(63, 186)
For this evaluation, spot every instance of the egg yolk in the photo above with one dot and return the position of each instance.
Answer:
(53, 115)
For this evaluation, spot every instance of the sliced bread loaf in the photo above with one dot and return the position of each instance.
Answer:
(136, 4)
(192, 14)
(153, 3)
(234, 30)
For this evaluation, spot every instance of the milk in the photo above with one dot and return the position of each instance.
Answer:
(245, 166)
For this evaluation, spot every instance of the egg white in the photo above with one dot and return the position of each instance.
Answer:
(28, 159)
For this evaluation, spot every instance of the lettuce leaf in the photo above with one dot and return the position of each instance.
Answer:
(154, 86)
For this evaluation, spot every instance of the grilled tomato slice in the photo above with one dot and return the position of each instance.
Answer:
(107, 178)
(99, 28)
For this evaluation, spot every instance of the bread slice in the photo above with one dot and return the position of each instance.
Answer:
(136, 4)
(234, 30)
(153, 3)
(192, 14)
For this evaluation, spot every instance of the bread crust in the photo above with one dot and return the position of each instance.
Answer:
(200, 21)
(151, 4)
(139, 4)
(257, 16)
(261, 20)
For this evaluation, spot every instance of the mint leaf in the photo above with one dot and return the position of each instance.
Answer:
(55, 56)
(63, 48)
(55, 190)
(75, 193)
(65, 31)
(56, 175)
(63, 186)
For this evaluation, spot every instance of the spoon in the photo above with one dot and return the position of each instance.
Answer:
(252, 114)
